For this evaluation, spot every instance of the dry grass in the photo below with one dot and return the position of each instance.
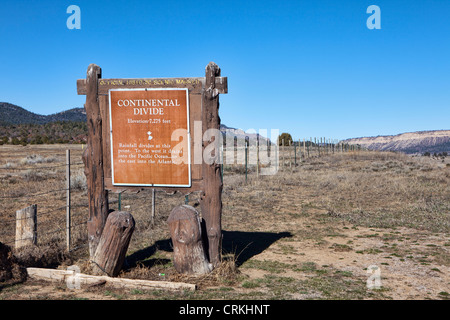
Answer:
(307, 232)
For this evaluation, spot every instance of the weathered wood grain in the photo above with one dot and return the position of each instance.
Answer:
(113, 245)
(185, 230)
(89, 280)
(93, 161)
(211, 199)
(195, 85)
(26, 226)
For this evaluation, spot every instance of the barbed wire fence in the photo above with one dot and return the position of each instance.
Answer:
(62, 212)
(55, 217)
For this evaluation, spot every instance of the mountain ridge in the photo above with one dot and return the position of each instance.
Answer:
(432, 141)
(11, 114)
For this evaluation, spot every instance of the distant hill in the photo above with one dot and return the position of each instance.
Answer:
(12, 114)
(229, 134)
(20, 126)
(435, 141)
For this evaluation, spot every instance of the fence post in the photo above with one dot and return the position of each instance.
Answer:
(295, 153)
(221, 162)
(290, 156)
(246, 158)
(68, 218)
(308, 147)
(153, 206)
(257, 157)
(26, 226)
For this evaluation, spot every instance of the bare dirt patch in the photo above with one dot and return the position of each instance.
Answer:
(309, 232)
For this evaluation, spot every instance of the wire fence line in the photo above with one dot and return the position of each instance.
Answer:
(65, 222)
(50, 219)
(10, 167)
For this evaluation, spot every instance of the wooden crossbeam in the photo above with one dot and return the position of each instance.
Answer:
(194, 85)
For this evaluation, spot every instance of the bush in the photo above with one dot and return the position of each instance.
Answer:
(78, 180)
(33, 175)
(286, 137)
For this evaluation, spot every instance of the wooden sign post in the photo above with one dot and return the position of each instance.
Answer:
(140, 136)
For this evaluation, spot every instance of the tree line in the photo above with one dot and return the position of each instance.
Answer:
(49, 133)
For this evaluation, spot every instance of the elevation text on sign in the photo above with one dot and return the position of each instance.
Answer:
(142, 123)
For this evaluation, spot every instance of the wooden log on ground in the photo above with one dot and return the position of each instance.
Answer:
(113, 245)
(26, 226)
(188, 248)
(93, 161)
(211, 199)
(89, 280)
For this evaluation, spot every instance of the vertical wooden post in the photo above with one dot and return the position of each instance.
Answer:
(277, 154)
(68, 218)
(295, 154)
(211, 198)
(304, 148)
(290, 155)
(26, 226)
(153, 206)
(308, 147)
(235, 157)
(93, 161)
(257, 157)
(222, 161)
(320, 145)
(246, 158)
(316, 146)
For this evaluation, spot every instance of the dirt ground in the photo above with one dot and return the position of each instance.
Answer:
(318, 230)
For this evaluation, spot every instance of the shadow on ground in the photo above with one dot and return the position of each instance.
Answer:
(143, 257)
(244, 245)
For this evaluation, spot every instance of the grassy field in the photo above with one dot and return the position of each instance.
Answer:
(309, 232)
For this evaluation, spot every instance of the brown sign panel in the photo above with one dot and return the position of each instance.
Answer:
(150, 140)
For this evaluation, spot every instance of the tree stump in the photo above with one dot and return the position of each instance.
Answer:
(185, 231)
(112, 247)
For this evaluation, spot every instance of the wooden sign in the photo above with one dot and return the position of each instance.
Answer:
(150, 141)
(129, 120)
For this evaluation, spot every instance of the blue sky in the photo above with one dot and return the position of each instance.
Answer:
(310, 68)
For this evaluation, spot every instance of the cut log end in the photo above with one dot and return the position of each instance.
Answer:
(113, 245)
(185, 230)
